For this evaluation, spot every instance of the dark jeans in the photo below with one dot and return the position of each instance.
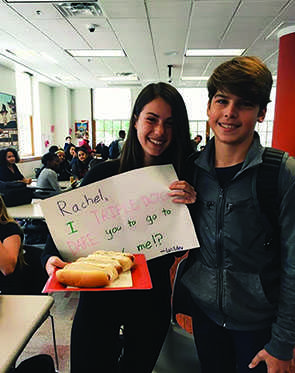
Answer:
(96, 345)
(222, 350)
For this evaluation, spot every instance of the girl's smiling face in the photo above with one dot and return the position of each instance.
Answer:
(10, 158)
(154, 127)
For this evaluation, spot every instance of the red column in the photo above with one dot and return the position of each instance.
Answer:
(284, 119)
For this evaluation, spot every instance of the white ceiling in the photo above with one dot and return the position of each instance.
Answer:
(153, 34)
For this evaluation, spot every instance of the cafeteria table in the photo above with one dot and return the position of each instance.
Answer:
(20, 317)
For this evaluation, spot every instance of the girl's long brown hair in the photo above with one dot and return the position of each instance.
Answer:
(180, 147)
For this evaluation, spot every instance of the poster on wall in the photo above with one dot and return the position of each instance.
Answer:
(80, 128)
(8, 122)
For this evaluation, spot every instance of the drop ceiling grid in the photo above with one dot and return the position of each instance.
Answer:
(29, 11)
(137, 42)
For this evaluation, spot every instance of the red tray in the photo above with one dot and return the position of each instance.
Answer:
(140, 277)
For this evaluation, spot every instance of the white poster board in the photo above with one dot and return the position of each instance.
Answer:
(129, 212)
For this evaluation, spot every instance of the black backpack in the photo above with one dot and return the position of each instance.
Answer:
(114, 149)
(267, 180)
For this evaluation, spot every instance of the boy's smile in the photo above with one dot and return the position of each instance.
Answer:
(233, 118)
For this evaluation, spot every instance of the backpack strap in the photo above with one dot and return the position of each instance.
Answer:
(267, 183)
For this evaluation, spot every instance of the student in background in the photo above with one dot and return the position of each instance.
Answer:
(48, 176)
(68, 143)
(158, 134)
(196, 141)
(71, 153)
(84, 143)
(80, 163)
(116, 146)
(8, 168)
(11, 237)
(64, 168)
(241, 279)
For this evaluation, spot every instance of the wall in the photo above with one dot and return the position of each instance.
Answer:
(61, 114)
(46, 115)
(7, 79)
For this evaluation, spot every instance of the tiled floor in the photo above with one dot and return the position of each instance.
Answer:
(63, 312)
(178, 348)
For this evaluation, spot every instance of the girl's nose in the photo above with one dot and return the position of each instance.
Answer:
(159, 128)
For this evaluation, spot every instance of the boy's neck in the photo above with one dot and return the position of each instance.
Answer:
(227, 155)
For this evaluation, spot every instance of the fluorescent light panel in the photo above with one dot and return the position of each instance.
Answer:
(96, 52)
(213, 52)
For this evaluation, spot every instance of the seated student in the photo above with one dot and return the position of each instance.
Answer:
(48, 176)
(8, 168)
(103, 150)
(71, 153)
(11, 237)
(81, 163)
(64, 169)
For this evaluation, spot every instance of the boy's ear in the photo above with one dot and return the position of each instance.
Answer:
(261, 115)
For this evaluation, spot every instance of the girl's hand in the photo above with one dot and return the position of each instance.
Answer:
(183, 192)
(53, 263)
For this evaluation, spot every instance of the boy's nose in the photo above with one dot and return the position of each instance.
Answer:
(230, 110)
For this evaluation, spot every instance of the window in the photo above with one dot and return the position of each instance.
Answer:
(112, 110)
(24, 113)
(196, 100)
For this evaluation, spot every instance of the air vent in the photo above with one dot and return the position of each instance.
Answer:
(81, 10)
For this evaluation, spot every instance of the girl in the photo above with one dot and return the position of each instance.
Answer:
(8, 168)
(11, 252)
(158, 134)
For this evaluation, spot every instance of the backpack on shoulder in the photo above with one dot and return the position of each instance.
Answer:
(267, 179)
(114, 149)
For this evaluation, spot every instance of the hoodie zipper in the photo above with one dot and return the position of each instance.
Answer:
(219, 246)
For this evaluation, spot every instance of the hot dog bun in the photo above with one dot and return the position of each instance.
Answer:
(96, 270)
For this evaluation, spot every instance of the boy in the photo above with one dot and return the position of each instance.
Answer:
(242, 278)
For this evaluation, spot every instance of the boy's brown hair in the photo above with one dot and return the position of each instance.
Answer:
(243, 76)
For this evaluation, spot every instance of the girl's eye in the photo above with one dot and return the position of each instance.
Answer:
(151, 119)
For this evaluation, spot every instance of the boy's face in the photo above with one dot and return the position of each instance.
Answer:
(233, 118)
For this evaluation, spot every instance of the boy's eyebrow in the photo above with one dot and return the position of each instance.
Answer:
(219, 94)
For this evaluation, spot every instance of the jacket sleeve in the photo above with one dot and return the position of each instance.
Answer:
(49, 250)
(283, 329)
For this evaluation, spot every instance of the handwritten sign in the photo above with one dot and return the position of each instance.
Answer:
(129, 212)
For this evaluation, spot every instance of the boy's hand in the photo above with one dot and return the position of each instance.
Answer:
(53, 263)
(183, 192)
(274, 365)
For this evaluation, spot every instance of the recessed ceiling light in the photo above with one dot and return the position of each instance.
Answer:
(195, 78)
(96, 52)
(213, 52)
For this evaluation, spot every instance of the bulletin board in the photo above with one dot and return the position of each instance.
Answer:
(81, 127)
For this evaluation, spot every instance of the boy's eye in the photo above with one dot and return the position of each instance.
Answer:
(247, 103)
(221, 101)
